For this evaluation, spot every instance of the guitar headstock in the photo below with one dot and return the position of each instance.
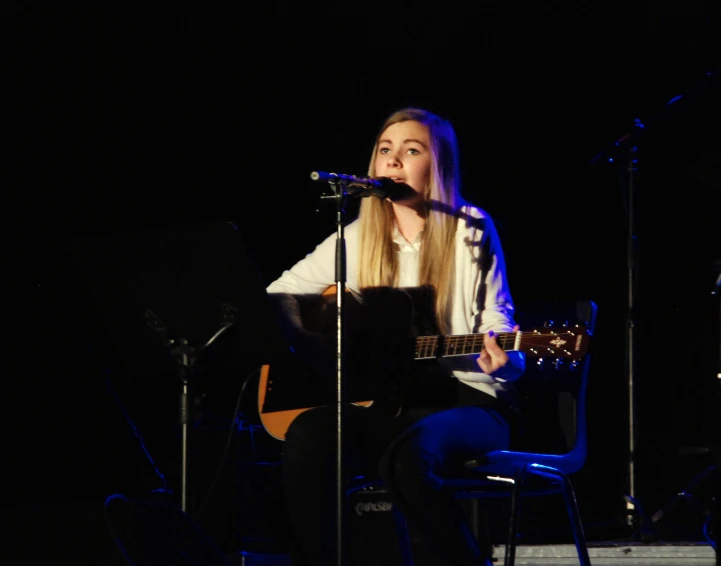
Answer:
(567, 342)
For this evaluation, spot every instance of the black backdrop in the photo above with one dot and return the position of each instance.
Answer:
(126, 116)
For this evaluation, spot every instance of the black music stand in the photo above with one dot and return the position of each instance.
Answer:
(177, 300)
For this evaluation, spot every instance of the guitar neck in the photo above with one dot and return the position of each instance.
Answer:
(428, 347)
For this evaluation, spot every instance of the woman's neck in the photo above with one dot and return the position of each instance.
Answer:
(410, 221)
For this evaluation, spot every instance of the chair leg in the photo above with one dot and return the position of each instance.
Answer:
(404, 539)
(576, 524)
(510, 557)
(473, 517)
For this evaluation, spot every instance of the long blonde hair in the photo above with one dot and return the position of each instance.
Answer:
(378, 262)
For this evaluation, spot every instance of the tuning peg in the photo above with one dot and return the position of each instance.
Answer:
(558, 362)
(548, 324)
(565, 324)
(541, 363)
(573, 365)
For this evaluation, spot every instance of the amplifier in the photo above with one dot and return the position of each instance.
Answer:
(371, 531)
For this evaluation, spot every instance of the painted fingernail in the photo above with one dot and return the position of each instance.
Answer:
(491, 333)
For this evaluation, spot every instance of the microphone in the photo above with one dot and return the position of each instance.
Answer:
(382, 187)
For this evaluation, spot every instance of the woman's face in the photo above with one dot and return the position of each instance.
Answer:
(404, 155)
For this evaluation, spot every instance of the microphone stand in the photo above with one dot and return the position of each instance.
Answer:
(343, 186)
(339, 188)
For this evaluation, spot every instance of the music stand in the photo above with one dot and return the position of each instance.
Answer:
(177, 298)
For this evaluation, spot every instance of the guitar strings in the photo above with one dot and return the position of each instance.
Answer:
(427, 346)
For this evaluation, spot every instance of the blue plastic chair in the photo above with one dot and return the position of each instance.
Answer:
(515, 469)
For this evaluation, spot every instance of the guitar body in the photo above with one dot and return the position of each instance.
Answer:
(276, 423)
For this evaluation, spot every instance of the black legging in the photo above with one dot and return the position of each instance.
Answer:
(411, 453)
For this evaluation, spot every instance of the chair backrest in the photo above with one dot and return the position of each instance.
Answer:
(553, 399)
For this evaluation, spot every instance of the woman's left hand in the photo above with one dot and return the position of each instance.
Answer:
(493, 358)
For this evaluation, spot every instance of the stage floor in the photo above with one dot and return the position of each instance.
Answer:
(636, 554)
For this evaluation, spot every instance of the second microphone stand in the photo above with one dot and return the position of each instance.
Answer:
(625, 152)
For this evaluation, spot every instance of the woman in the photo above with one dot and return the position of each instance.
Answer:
(422, 239)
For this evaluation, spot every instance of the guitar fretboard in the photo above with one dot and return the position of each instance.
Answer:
(459, 345)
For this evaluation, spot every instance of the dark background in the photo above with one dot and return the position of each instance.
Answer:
(124, 116)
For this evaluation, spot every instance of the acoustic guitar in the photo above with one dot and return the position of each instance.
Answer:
(387, 348)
